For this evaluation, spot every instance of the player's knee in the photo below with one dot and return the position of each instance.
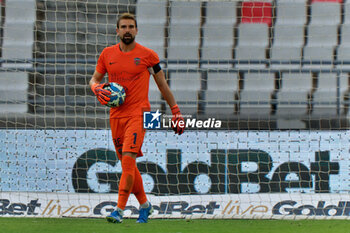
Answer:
(129, 164)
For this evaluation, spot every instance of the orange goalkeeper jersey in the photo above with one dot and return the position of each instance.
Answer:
(129, 69)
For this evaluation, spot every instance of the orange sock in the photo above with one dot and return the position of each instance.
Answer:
(138, 189)
(126, 181)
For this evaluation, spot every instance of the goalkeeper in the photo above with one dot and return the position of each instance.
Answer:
(130, 64)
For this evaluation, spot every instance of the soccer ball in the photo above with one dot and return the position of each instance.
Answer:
(117, 95)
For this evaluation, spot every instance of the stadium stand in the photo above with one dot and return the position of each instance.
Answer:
(322, 32)
(291, 12)
(186, 87)
(185, 12)
(146, 14)
(253, 33)
(18, 31)
(154, 96)
(184, 33)
(70, 35)
(322, 39)
(287, 45)
(219, 13)
(14, 101)
(255, 97)
(220, 20)
(346, 12)
(223, 101)
(293, 95)
(326, 102)
(184, 41)
(288, 40)
(257, 12)
(151, 25)
(215, 47)
(253, 37)
(343, 50)
(253, 40)
(17, 45)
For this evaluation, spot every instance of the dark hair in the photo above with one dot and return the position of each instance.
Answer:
(126, 16)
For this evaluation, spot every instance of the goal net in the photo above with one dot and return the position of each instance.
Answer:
(263, 86)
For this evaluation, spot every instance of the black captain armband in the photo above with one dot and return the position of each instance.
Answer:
(155, 69)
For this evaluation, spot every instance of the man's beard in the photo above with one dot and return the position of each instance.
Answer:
(128, 40)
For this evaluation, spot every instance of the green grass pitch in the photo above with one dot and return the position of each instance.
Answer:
(72, 225)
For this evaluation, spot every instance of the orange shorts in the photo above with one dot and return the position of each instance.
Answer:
(128, 134)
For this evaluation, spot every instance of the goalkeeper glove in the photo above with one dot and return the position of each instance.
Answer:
(178, 122)
(101, 94)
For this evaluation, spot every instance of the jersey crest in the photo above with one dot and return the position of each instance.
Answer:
(137, 60)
